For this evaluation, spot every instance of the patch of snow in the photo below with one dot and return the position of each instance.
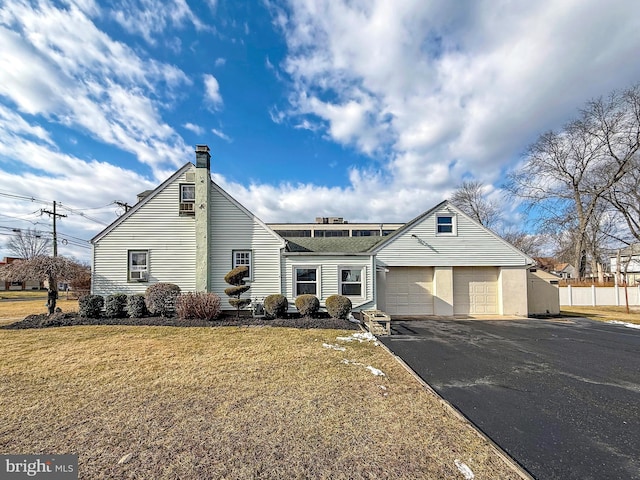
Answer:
(626, 324)
(360, 337)
(353, 319)
(382, 387)
(465, 470)
(375, 371)
(334, 347)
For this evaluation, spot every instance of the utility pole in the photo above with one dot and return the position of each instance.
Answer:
(124, 205)
(52, 293)
(55, 235)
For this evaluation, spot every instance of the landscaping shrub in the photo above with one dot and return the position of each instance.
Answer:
(115, 305)
(200, 305)
(307, 305)
(236, 278)
(136, 307)
(276, 306)
(90, 306)
(338, 306)
(160, 299)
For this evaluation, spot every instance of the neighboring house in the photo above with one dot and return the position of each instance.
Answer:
(561, 269)
(190, 232)
(629, 263)
(20, 285)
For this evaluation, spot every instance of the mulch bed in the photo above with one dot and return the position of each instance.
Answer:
(225, 320)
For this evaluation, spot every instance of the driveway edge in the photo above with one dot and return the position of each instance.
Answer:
(515, 466)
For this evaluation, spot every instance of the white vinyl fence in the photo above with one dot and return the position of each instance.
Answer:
(598, 296)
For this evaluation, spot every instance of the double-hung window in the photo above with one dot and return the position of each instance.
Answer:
(187, 198)
(351, 281)
(242, 258)
(138, 265)
(305, 280)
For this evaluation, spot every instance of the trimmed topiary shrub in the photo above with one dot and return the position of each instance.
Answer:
(206, 306)
(276, 306)
(160, 299)
(90, 306)
(338, 306)
(236, 278)
(136, 308)
(115, 305)
(307, 305)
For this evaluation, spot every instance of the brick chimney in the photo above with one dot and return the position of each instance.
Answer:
(202, 214)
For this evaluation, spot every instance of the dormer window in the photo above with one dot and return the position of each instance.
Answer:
(446, 224)
(187, 198)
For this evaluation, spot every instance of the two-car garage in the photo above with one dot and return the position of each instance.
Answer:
(410, 290)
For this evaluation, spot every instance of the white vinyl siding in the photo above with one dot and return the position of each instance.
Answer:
(233, 229)
(329, 276)
(155, 227)
(420, 245)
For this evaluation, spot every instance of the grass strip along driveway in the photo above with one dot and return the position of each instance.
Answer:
(227, 402)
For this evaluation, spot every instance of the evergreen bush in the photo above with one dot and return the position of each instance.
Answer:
(90, 306)
(236, 278)
(136, 307)
(308, 305)
(338, 306)
(115, 305)
(276, 306)
(160, 299)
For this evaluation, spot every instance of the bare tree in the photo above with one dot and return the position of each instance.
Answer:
(470, 197)
(625, 198)
(530, 243)
(29, 244)
(567, 173)
(42, 267)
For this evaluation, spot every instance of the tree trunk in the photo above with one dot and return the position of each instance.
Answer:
(52, 295)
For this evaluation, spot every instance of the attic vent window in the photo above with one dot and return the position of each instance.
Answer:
(445, 225)
(187, 198)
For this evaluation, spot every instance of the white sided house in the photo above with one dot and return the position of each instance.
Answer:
(190, 232)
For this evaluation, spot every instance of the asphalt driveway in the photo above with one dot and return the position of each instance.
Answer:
(561, 397)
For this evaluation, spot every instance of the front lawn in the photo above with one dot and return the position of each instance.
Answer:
(227, 402)
(604, 314)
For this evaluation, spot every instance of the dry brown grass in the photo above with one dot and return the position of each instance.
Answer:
(10, 310)
(604, 314)
(226, 402)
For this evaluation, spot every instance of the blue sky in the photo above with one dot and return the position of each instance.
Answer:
(369, 110)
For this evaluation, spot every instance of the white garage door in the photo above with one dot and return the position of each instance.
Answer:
(409, 291)
(475, 290)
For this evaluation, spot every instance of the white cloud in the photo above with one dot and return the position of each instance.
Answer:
(220, 62)
(65, 70)
(197, 129)
(212, 90)
(220, 134)
(150, 18)
(439, 90)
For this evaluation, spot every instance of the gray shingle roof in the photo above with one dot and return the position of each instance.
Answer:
(332, 244)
